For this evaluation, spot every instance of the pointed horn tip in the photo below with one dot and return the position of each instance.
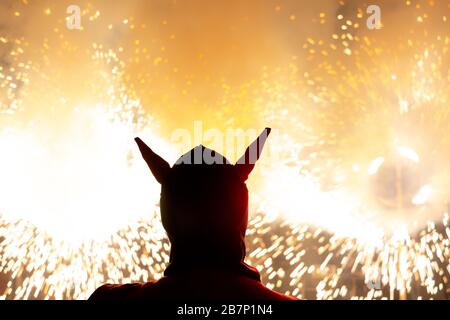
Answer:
(141, 144)
(268, 130)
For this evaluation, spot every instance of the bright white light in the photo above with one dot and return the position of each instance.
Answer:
(79, 179)
(409, 154)
(375, 165)
(300, 199)
(423, 195)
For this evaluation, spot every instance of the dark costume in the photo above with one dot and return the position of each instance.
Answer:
(204, 209)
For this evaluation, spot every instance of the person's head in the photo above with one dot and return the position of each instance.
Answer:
(204, 201)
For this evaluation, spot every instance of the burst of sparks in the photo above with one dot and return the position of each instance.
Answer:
(318, 235)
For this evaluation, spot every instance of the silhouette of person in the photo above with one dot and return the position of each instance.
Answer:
(204, 210)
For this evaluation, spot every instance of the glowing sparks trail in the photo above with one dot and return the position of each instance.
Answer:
(355, 207)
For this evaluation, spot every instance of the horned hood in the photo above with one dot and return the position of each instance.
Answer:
(204, 206)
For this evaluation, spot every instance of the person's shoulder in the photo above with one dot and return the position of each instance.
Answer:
(118, 291)
(111, 291)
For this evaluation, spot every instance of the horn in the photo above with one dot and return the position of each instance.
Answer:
(158, 166)
(246, 163)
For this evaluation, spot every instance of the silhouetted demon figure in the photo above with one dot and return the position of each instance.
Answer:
(204, 209)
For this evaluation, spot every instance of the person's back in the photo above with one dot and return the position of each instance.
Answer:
(204, 209)
(201, 284)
